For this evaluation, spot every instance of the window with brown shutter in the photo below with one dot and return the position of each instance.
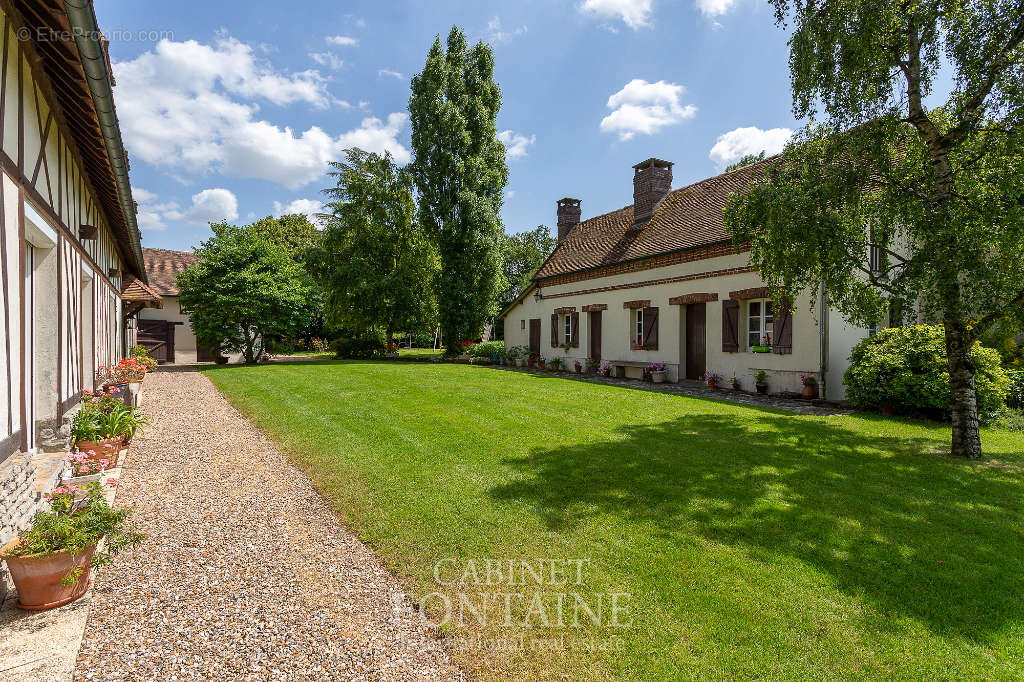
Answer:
(554, 330)
(730, 326)
(575, 330)
(784, 328)
(650, 329)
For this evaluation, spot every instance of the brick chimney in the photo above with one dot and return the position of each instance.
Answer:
(652, 181)
(568, 216)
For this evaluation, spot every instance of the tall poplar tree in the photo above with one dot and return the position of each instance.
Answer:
(936, 193)
(460, 173)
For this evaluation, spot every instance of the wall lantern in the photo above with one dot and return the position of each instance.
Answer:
(537, 296)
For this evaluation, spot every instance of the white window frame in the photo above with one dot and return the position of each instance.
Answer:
(764, 317)
(567, 329)
(637, 327)
(522, 325)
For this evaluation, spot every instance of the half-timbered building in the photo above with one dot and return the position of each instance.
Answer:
(68, 234)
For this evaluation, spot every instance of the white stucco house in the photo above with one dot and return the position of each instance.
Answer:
(660, 280)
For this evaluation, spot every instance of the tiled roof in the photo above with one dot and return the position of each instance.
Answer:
(163, 265)
(689, 217)
(136, 290)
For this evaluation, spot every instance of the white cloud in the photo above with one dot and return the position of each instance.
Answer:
(497, 35)
(189, 106)
(642, 107)
(389, 72)
(634, 13)
(342, 41)
(515, 144)
(736, 143)
(143, 195)
(210, 205)
(714, 8)
(307, 207)
(328, 59)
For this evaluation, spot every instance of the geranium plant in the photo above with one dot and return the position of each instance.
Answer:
(86, 464)
(809, 378)
(79, 517)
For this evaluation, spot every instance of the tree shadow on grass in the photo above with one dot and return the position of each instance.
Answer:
(916, 534)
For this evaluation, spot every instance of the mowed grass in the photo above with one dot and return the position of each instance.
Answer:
(753, 543)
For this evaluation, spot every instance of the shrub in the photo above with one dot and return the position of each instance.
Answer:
(905, 368)
(422, 340)
(1010, 419)
(1015, 396)
(362, 347)
(488, 349)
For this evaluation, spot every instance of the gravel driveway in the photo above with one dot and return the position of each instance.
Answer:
(246, 573)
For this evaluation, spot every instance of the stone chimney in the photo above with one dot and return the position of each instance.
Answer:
(568, 216)
(652, 181)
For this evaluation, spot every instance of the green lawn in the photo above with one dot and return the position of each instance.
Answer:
(752, 543)
(419, 353)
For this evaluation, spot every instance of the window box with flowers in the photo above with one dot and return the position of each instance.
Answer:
(52, 560)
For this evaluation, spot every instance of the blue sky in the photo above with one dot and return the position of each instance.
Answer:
(232, 109)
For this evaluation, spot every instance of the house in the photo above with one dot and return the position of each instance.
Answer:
(660, 280)
(166, 331)
(68, 232)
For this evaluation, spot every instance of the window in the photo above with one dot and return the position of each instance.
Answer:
(878, 262)
(522, 325)
(638, 328)
(567, 325)
(760, 323)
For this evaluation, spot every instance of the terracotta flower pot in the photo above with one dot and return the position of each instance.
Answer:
(37, 577)
(810, 392)
(108, 448)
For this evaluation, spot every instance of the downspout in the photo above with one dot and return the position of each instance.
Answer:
(87, 37)
(823, 341)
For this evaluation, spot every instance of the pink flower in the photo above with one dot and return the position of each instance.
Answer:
(83, 469)
(112, 482)
(115, 389)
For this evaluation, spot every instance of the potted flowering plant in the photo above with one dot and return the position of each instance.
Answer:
(51, 561)
(655, 372)
(578, 366)
(736, 385)
(761, 382)
(126, 376)
(604, 369)
(85, 467)
(810, 382)
(540, 362)
(104, 425)
(765, 347)
(592, 365)
(141, 353)
(555, 364)
(713, 379)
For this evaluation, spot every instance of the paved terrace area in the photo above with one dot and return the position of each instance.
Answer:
(246, 573)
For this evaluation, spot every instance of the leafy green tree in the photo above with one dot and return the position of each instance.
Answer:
(936, 193)
(521, 256)
(460, 172)
(374, 261)
(294, 231)
(745, 160)
(244, 292)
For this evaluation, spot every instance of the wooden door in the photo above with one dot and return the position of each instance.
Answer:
(595, 335)
(696, 342)
(158, 337)
(535, 336)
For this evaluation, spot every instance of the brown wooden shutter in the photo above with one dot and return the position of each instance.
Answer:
(650, 328)
(730, 326)
(554, 331)
(575, 330)
(783, 326)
